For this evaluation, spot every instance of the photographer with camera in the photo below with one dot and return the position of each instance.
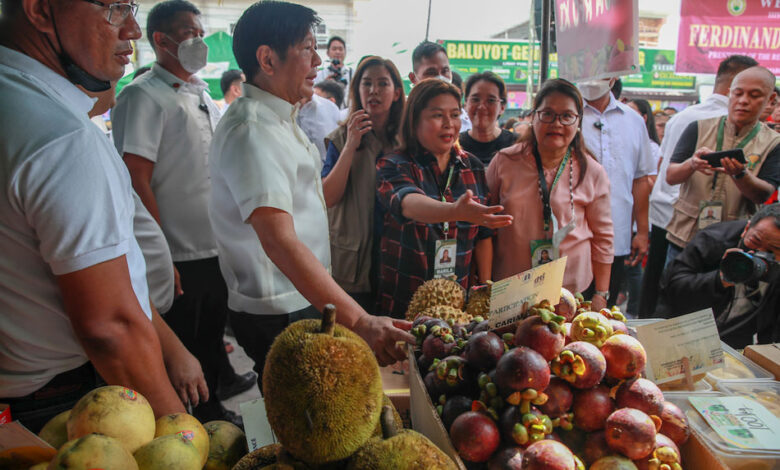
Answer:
(334, 68)
(731, 267)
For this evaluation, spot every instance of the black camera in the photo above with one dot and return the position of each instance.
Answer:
(739, 267)
(336, 71)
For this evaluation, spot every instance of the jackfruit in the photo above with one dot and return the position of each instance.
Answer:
(258, 458)
(396, 449)
(55, 431)
(93, 451)
(227, 445)
(449, 314)
(479, 300)
(435, 292)
(397, 420)
(322, 389)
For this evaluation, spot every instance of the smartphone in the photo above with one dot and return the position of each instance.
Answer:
(714, 158)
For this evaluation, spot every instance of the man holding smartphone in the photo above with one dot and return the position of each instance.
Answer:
(730, 188)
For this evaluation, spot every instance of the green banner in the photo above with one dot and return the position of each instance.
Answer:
(509, 60)
(657, 66)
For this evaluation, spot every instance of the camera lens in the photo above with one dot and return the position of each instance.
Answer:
(740, 267)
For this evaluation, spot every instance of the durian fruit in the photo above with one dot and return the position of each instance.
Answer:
(397, 420)
(322, 389)
(258, 458)
(404, 449)
(447, 313)
(436, 292)
(479, 300)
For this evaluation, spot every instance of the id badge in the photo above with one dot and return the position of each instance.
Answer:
(444, 258)
(542, 252)
(710, 212)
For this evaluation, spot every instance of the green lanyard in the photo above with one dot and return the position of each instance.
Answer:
(741, 144)
(545, 194)
(446, 225)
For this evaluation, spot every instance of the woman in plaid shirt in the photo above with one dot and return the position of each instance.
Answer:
(434, 195)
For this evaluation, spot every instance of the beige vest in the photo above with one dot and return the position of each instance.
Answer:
(351, 220)
(698, 187)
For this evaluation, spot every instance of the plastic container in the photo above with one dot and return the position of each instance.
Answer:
(737, 367)
(735, 458)
(767, 393)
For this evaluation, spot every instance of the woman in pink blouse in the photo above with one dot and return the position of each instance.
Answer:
(576, 221)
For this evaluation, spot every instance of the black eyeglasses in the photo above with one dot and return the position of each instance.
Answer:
(117, 11)
(548, 117)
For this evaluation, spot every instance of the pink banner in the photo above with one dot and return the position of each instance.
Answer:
(596, 38)
(711, 30)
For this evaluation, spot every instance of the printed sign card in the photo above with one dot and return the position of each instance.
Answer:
(694, 336)
(258, 430)
(510, 298)
(741, 421)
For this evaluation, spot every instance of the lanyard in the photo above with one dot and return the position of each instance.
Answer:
(446, 225)
(545, 194)
(741, 144)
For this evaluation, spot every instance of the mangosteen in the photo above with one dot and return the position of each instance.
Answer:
(510, 458)
(522, 368)
(559, 398)
(595, 447)
(592, 327)
(592, 407)
(544, 337)
(524, 429)
(625, 355)
(665, 452)
(548, 455)
(674, 423)
(581, 364)
(455, 406)
(437, 344)
(630, 432)
(475, 436)
(641, 394)
(483, 350)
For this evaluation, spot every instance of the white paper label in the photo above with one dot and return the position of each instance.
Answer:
(256, 426)
(741, 421)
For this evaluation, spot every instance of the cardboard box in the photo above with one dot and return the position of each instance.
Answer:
(426, 421)
(5, 413)
(766, 356)
(395, 383)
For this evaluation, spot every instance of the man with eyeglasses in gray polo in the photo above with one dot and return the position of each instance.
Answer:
(74, 303)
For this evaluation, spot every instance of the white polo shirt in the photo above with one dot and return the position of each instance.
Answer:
(260, 157)
(664, 195)
(66, 205)
(159, 265)
(622, 146)
(170, 122)
(318, 118)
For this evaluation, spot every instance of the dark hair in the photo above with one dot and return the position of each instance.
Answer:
(771, 210)
(163, 14)
(418, 99)
(278, 25)
(617, 89)
(670, 108)
(732, 65)
(141, 71)
(396, 109)
(510, 124)
(228, 78)
(457, 80)
(333, 88)
(647, 112)
(487, 77)
(567, 88)
(425, 50)
(336, 38)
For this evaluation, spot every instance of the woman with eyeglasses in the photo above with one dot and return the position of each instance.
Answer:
(554, 186)
(485, 102)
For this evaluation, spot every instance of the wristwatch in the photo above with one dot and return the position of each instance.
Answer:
(602, 293)
(740, 174)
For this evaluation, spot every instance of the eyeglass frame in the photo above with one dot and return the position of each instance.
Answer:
(487, 102)
(112, 7)
(557, 116)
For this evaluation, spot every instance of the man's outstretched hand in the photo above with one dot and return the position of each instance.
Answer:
(383, 335)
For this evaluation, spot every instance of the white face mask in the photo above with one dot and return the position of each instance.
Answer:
(444, 79)
(593, 89)
(192, 54)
